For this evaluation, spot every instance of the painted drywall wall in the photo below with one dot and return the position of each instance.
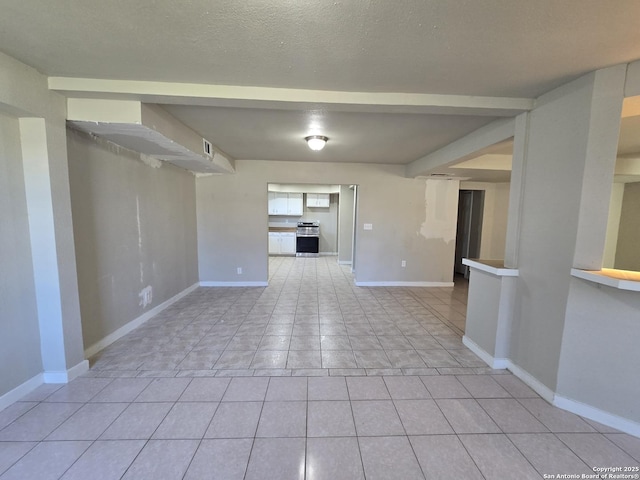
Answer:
(569, 133)
(345, 224)
(20, 336)
(600, 355)
(24, 93)
(412, 220)
(613, 226)
(494, 217)
(328, 218)
(135, 229)
(500, 213)
(482, 321)
(627, 254)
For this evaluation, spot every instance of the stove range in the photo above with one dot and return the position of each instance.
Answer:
(307, 239)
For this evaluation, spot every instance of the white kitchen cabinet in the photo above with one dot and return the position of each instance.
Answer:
(278, 203)
(282, 243)
(294, 204)
(274, 243)
(318, 200)
(288, 242)
(285, 204)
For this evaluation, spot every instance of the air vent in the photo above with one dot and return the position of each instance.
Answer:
(207, 148)
(447, 176)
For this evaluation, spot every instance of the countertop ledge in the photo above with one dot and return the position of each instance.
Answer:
(620, 279)
(495, 267)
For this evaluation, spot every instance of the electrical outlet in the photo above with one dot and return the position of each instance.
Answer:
(368, 226)
(239, 270)
(404, 263)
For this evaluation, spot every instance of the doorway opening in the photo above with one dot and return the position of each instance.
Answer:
(329, 209)
(469, 232)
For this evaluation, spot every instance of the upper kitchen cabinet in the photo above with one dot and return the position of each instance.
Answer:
(285, 204)
(294, 204)
(318, 200)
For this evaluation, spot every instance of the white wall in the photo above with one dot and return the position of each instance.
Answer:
(500, 213)
(345, 224)
(19, 331)
(494, 217)
(569, 163)
(135, 229)
(413, 220)
(600, 354)
(627, 254)
(328, 218)
(24, 94)
(613, 226)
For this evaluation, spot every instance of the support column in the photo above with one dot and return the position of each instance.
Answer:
(568, 162)
(520, 141)
(51, 234)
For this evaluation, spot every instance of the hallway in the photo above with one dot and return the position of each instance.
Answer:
(310, 377)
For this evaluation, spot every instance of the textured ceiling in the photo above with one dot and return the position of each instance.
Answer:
(516, 48)
(495, 48)
(253, 134)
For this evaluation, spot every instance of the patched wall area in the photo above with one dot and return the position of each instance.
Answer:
(135, 233)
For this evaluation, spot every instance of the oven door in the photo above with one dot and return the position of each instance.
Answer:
(307, 245)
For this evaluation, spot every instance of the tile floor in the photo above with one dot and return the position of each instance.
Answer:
(309, 378)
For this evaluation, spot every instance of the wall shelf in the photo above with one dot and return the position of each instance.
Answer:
(620, 279)
(495, 267)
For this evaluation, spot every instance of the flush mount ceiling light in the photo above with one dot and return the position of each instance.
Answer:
(316, 142)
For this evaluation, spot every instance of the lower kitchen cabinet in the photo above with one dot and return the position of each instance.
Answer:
(282, 243)
(274, 243)
(288, 243)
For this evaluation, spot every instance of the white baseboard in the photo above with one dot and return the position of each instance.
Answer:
(573, 406)
(404, 284)
(540, 388)
(344, 262)
(65, 376)
(600, 416)
(135, 323)
(27, 387)
(328, 254)
(495, 363)
(233, 284)
(20, 391)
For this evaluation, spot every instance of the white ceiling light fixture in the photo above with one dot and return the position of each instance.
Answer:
(316, 142)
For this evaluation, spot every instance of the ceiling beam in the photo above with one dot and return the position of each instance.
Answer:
(287, 98)
(149, 130)
(464, 148)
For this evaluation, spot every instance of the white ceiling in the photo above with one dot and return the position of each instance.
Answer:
(514, 48)
(492, 48)
(249, 133)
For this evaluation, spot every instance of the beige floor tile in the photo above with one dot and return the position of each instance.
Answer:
(389, 457)
(46, 461)
(443, 457)
(333, 459)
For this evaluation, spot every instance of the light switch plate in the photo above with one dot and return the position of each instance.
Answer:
(368, 226)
